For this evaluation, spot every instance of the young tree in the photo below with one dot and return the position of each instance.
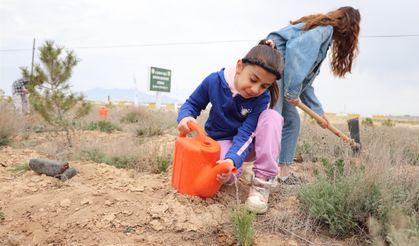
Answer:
(49, 89)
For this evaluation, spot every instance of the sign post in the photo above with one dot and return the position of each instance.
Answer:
(160, 79)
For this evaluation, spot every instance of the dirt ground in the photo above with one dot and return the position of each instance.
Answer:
(103, 205)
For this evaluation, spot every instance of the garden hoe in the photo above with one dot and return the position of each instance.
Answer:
(353, 124)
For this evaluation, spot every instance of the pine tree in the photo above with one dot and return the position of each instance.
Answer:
(49, 89)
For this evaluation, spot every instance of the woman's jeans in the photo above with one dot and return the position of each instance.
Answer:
(267, 145)
(291, 129)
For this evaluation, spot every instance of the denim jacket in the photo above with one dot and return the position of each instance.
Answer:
(303, 52)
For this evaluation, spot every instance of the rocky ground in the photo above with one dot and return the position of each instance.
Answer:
(103, 205)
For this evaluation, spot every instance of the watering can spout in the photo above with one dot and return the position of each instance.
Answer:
(206, 183)
(223, 168)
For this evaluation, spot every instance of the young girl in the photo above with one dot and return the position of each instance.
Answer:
(304, 45)
(240, 120)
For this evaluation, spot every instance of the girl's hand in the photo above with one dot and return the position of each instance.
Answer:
(225, 177)
(293, 101)
(182, 127)
(325, 123)
(271, 43)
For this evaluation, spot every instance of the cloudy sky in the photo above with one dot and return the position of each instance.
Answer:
(118, 40)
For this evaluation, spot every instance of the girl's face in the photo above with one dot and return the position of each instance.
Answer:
(252, 80)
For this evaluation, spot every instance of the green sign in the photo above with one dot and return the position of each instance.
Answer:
(160, 79)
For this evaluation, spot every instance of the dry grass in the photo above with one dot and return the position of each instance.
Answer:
(382, 178)
(11, 123)
(390, 160)
(149, 152)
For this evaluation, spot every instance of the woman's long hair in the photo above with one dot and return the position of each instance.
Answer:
(345, 22)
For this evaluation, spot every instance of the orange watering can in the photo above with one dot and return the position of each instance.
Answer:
(194, 168)
(103, 112)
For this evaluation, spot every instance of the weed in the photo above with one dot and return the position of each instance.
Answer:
(305, 148)
(4, 140)
(21, 168)
(129, 229)
(411, 156)
(242, 220)
(333, 171)
(103, 126)
(2, 218)
(38, 128)
(164, 163)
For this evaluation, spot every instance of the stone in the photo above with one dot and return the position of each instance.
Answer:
(86, 201)
(65, 203)
(156, 225)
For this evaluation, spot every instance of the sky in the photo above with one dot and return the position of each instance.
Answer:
(118, 40)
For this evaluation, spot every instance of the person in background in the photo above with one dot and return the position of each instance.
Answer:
(240, 119)
(20, 96)
(304, 45)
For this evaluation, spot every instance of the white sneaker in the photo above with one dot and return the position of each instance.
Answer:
(257, 201)
(275, 184)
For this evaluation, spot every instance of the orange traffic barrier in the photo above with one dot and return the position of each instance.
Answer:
(194, 164)
(103, 112)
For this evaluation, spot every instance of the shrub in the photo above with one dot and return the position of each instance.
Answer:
(92, 155)
(367, 122)
(388, 123)
(50, 93)
(143, 117)
(242, 220)
(119, 161)
(131, 117)
(103, 126)
(326, 199)
(345, 200)
(149, 132)
(113, 160)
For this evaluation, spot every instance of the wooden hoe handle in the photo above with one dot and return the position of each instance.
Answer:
(333, 129)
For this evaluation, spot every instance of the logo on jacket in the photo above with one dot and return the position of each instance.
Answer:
(245, 111)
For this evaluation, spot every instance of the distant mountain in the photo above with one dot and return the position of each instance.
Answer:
(101, 94)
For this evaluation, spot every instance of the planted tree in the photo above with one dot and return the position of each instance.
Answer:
(49, 89)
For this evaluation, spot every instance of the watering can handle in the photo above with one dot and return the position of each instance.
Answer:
(196, 128)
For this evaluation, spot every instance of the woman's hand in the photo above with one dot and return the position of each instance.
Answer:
(293, 101)
(182, 127)
(324, 123)
(225, 177)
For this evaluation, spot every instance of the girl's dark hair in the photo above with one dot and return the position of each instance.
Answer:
(270, 59)
(345, 22)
